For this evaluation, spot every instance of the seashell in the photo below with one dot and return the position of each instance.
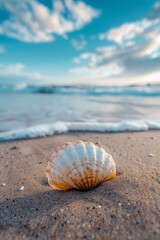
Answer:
(80, 165)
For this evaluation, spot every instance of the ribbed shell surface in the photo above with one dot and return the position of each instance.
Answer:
(80, 165)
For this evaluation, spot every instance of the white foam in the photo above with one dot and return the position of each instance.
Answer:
(62, 127)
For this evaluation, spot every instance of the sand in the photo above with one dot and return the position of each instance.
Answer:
(126, 207)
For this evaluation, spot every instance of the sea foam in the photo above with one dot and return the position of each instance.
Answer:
(43, 130)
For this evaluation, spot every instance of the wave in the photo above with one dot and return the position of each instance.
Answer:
(132, 90)
(63, 127)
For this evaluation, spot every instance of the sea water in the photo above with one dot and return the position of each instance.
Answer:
(33, 111)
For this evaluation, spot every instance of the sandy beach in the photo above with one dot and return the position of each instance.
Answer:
(126, 207)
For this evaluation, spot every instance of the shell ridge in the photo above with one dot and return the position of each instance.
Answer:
(111, 175)
(63, 165)
(87, 167)
(48, 171)
(66, 165)
(70, 159)
(79, 147)
(74, 155)
(94, 172)
(101, 158)
(107, 163)
(110, 171)
(104, 166)
(110, 164)
(59, 169)
(89, 172)
(90, 159)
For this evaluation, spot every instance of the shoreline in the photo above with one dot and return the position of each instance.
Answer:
(44, 130)
(77, 132)
(125, 207)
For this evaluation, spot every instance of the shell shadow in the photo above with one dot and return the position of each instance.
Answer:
(20, 214)
(15, 213)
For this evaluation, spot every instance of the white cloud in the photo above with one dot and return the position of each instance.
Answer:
(107, 70)
(18, 72)
(95, 64)
(145, 31)
(135, 51)
(6, 70)
(128, 31)
(58, 6)
(121, 61)
(78, 45)
(81, 12)
(31, 21)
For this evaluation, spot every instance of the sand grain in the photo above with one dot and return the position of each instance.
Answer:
(127, 207)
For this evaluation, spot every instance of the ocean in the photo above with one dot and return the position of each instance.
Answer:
(34, 111)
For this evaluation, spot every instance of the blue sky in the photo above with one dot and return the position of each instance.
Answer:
(71, 42)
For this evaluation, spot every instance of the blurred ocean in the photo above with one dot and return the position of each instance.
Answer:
(32, 111)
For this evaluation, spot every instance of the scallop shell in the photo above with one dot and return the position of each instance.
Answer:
(80, 165)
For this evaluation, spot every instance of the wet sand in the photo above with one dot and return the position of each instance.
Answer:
(126, 207)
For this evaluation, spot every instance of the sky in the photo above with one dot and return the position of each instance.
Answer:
(79, 42)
